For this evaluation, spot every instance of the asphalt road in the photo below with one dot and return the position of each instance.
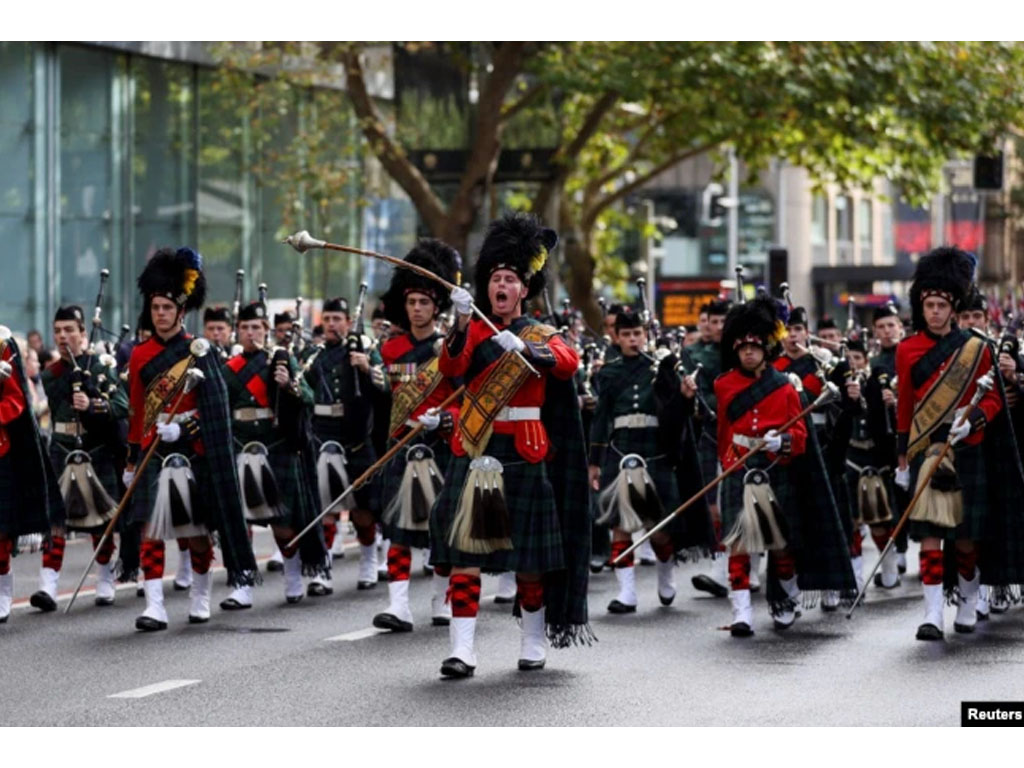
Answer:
(320, 663)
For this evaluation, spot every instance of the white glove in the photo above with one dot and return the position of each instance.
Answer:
(126, 477)
(463, 301)
(510, 342)
(169, 433)
(959, 431)
(902, 478)
(430, 421)
(772, 441)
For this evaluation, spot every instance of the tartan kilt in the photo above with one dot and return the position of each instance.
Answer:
(103, 467)
(537, 545)
(8, 525)
(391, 481)
(707, 457)
(643, 442)
(969, 462)
(358, 459)
(294, 489)
(862, 459)
(731, 498)
(144, 498)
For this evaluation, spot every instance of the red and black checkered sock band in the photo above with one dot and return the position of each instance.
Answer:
(201, 560)
(330, 531)
(367, 534)
(881, 537)
(6, 546)
(282, 544)
(782, 564)
(152, 556)
(183, 545)
(53, 552)
(464, 595)
(739, 572)
(618, 547)
(444, 571)
(531, 594)
(106, 552)
(931, 566)
(399, 563)
(856, 543)
(966, 562)
(663, 549)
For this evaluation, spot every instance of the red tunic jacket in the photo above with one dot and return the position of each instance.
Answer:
(812, 384)
(392, 351)
(141, 355)
(555, 358)
(912, 349)
(770, 413)
(12, 403)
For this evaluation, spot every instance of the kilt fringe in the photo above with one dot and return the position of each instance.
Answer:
(568, 635)
(481, 524)
(759, 526)
(87, 502)
(332, 479)
(420, 485)
(631, 501)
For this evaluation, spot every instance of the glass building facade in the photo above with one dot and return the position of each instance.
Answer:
(106, 156)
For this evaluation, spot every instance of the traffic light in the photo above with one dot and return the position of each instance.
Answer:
(712, 211)
(988, 171)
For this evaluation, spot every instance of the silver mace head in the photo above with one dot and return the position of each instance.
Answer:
(829, 394)
(303, 241)
(985, 384)
(199, 347)
(193, 378)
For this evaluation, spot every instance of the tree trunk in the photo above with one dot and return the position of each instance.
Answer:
(576, 252)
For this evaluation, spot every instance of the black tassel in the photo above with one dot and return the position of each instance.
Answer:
(198, 510)
(335, 484)
(99, 494)
(496, 516)
(420, 508)
(251, 489)
(75, 504)
(438, 482)
(271, 494)
(478, 524)
(765, 526)
(179, 511)
(655, 507)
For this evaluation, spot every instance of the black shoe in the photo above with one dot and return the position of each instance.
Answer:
(3, 619)
(177, 588)
(929, 632)
(667, 600)
(230, 605)
(200, 619)
(648, 561)
(147, 624)
(502, 600)
(755, 588)
(104, 601)
(440, 621)
(829, 608)
(366, 584)
(273, 566)
(981, 616)
(392, 622)
(902, 569)
(427, 571)
(453, 667)
(293, 599)
(43, 602)
(596, 568)
(140, 592)
(741, 629)
(616, 607)
(707, 584)
(963, 629)
(526, 665)
(316, 589)
(880, 585)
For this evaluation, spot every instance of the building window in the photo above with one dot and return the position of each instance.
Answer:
(844, 219)
(819, 221)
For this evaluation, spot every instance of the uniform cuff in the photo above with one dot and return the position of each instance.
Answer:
(455, 342)
(977, 419)
(902, 441)
(541, 354)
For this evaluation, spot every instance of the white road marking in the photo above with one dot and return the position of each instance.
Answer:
(149, 690)
(359, 634)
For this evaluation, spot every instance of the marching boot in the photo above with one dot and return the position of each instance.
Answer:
(338, 546)
(933, 604)
(742, 613)
(714, 584)
(6, 595)
(829, 600)
(367, 578)
(667, 581)
(462, 660)
(239, 599)
(857, 564)
(967, 607)
(532, 642)
(276, 561)
(506, 588)
(320, 586)
(983, 606)
(626, 600)
(901, 562)
(889, 576)
(755, 572)
(183, 576)
(440, 611)
(293, 589)
(105, 589)
(645, 552)
(785, 619)
(398, 617)
(999, 602)
(154, 618)
(428, 568)
(199, 598)
(46, 598)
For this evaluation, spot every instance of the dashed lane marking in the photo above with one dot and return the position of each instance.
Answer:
(359, 634)
(149, 690)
